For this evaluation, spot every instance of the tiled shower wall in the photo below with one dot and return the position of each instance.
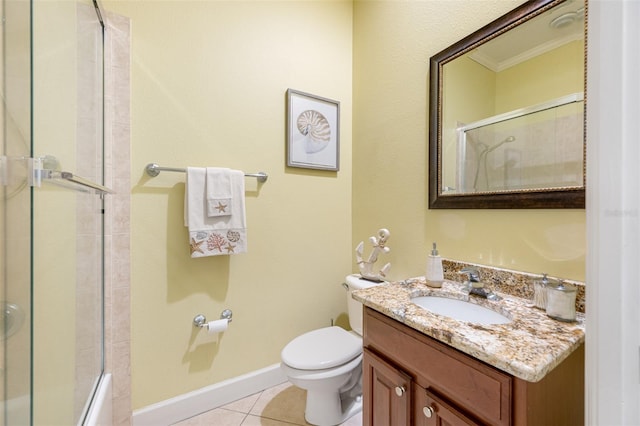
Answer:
(117, 223)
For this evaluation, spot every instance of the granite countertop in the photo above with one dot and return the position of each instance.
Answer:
(528, 347)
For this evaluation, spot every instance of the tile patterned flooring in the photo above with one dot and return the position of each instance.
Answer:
(281, 405)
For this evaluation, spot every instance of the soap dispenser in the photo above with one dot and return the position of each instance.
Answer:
(434, 274)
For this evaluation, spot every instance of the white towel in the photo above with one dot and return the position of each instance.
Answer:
(212, 236)
(219, 192)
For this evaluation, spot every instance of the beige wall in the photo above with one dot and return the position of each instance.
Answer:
(567, 63)
(213, 94)
(393, 42)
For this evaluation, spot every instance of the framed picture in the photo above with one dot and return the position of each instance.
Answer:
(313, 131)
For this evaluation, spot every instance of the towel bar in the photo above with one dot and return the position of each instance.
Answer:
(154, 170)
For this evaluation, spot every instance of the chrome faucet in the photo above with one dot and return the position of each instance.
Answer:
(474, 286)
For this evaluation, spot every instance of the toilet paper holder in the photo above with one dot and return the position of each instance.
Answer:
(201, 321)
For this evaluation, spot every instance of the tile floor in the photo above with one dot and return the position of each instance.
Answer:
(281, 405)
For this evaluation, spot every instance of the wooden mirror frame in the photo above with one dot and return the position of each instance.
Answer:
(530, 199)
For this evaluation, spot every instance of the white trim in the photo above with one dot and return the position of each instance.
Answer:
(539, 50)
(613, 214)
(193, 403)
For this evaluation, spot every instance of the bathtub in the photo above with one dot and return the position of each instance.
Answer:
(100, 411)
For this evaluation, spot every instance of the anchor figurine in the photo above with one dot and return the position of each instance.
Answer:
(379, 245)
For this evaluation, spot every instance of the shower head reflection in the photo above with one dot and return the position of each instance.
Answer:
(482, 160)
(508, 139)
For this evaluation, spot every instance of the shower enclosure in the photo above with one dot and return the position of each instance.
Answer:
(539, 146)
(51, 175)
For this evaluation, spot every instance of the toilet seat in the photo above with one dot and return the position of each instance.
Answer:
(318, 375)
(321, 349)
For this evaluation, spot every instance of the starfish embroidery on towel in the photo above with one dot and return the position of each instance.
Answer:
(222, 208)
(195, 246)
(230, 248)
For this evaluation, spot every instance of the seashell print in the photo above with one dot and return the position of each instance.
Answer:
(233, 236)
(316, 129)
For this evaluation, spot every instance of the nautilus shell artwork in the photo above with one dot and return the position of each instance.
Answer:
(316, 130)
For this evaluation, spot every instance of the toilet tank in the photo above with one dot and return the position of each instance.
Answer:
(354, 308)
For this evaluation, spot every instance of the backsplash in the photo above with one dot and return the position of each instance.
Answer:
(515, 283)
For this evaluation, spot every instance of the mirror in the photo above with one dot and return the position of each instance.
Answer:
(506, 119)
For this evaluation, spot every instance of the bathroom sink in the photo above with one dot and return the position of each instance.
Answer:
(460, 310)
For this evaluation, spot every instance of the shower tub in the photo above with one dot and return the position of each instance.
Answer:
(100, 409)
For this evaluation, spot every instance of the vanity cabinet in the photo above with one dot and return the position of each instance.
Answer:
(412, 379)
(390, 391)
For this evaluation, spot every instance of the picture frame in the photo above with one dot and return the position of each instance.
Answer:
(313, 131)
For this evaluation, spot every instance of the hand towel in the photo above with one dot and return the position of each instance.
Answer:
(212, 236)
(218, 186)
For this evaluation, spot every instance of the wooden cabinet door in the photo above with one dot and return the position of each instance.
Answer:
(431, 410)
(386, 392)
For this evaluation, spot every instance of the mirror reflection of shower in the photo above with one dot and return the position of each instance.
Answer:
(484, 151)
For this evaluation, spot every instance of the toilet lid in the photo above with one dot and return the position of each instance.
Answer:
(323, 348)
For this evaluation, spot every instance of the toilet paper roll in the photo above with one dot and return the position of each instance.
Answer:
(217, 326)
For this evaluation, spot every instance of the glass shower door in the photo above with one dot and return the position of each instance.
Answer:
(51, 256)
(15, 214)
(51, 222)
(67, 218)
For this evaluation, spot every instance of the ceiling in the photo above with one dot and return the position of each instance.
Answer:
(547, 31)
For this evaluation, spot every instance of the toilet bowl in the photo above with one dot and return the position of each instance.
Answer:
(327, 363)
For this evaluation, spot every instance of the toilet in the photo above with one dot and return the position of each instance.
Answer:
(327, 363)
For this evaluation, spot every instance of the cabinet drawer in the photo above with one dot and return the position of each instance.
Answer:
(430, 410)
(474, 387)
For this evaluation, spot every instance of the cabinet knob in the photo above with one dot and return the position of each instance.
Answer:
(428, 412)
(399, 390)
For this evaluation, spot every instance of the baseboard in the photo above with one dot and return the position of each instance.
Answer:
(193, 403)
